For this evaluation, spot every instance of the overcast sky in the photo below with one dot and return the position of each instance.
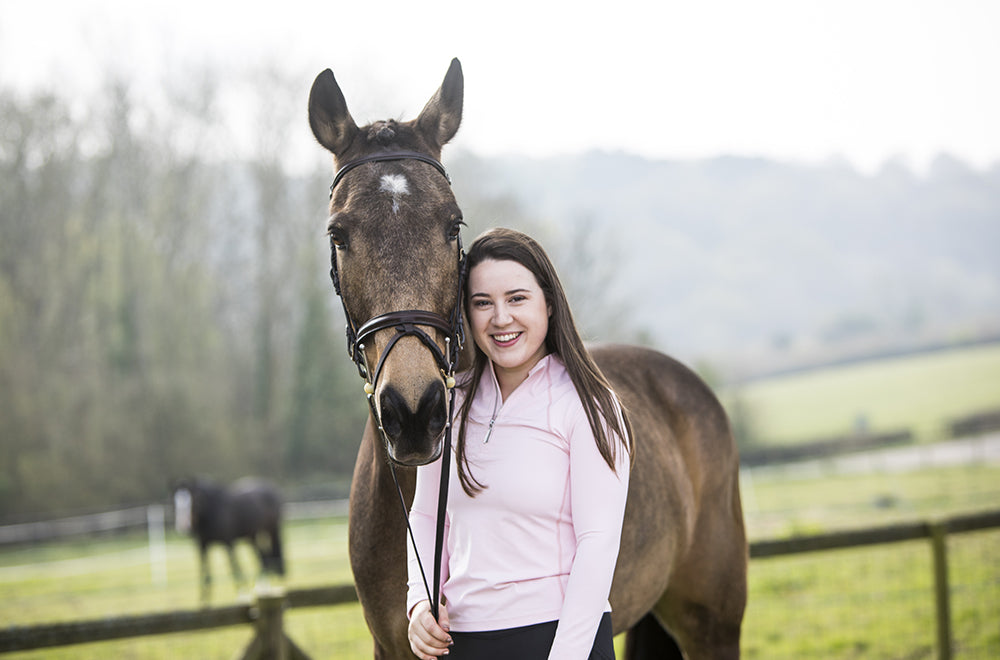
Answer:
(864, 80)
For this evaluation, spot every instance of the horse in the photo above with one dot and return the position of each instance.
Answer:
(394, 227)
(248, 509)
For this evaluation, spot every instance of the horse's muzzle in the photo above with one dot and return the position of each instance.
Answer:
(414, 437)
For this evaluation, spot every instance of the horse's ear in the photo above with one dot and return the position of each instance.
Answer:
(329, 119)
(440, 118)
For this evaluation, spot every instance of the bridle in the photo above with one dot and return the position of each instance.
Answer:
(406, 323)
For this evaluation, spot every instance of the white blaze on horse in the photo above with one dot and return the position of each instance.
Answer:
(680, 582)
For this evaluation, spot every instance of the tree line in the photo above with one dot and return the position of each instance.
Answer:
(161, 313)
(166, 311)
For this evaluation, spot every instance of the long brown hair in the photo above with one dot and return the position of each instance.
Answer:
(604, 412)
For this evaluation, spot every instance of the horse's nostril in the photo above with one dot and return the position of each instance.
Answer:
(432, 409)
(393, 410)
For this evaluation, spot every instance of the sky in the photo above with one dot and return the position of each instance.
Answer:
(793, 80)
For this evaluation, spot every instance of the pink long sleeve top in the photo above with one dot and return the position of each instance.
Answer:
(540, 542)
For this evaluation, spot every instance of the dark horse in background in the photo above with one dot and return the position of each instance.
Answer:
(680, 583)
(249, 509)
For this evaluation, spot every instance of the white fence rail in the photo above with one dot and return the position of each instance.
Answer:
(153, 517)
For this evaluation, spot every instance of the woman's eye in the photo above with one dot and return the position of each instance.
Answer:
(479, 304)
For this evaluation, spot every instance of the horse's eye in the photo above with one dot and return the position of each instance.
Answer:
(338, 239)
(456, 229)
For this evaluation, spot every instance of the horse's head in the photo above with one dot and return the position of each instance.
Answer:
(394, 232)
(186, 493)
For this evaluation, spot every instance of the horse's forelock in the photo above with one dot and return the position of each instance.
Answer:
(393, 135)
(383, 133)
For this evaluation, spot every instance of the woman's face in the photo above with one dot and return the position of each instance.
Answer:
(509, 318)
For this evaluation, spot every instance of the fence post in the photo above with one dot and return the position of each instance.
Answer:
(155, 523)
(270, 641)
(270, 626)
(939, 547)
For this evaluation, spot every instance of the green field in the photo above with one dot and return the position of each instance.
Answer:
(863, 603)
(920, 393)
(65, 581)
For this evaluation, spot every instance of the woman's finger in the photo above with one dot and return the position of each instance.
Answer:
(427, 638)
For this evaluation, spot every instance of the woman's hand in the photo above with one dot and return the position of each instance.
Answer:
(429, 639)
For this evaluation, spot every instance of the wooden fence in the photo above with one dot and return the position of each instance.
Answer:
(271, 643)
(265, 613)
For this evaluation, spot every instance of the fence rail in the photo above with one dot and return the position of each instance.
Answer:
(265, 614)
(25, 638)
(95, 523)
(874, 536)
(136, 518)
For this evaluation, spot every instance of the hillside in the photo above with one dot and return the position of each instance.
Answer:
(766, 265)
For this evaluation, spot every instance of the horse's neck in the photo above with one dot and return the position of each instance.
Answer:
(374, 487)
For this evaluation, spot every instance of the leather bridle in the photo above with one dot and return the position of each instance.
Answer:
(407, 324)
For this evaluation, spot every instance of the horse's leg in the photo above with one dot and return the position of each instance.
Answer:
(261, 542)
(206, 576)
(703, 606)
(277, 560)
(648, 640)
(234, 565)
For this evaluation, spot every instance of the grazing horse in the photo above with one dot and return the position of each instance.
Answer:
(248, 509)
(394, 228)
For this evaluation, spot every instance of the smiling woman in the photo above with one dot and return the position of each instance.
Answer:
(533, 535)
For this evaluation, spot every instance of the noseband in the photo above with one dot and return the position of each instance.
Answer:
(406, 323)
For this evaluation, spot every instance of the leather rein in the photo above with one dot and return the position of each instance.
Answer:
(406, 323)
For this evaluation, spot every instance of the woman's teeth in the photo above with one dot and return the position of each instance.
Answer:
(503, 339)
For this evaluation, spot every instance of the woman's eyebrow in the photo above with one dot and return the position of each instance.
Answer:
(506, 293)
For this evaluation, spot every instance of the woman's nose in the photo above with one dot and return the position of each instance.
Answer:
(501, 316)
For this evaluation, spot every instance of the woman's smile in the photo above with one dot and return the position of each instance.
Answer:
(506, 339)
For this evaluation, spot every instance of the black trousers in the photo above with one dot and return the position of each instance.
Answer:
(524, 643)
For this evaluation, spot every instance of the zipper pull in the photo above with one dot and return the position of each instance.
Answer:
(490, 432)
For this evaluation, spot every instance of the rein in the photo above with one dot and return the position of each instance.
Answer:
(406, 324)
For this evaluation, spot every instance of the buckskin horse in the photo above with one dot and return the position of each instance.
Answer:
(394, 228)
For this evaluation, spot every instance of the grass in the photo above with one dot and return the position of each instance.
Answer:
(88, 579)
(872, 602)
(778, 504)
(920, 393)
(864, 603)
(875, 602)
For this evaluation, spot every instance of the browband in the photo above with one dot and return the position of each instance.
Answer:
(392, 155)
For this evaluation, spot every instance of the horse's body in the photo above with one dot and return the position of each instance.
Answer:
(683, 558)
(249, 509)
